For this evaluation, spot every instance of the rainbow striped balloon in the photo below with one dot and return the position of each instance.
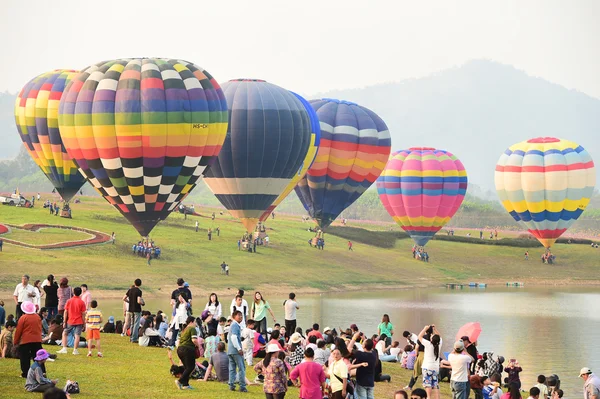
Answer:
(315, 138)
(36, 116)
(355, 144)
(422, 188)
(143, 131)
(546, 183)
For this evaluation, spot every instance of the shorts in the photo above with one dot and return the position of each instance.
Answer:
(78, 328)
(430, 379)
(92, 334)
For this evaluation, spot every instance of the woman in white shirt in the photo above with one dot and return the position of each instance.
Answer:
(179, 318)
(214, 306)
(431, 361)
(39, 292)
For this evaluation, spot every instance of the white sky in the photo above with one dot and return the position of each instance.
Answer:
(308, 46)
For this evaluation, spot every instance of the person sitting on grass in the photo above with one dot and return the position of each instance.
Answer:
(211, 343)
(36, 380)
(148, 335)
(219, 363)
(6, 339)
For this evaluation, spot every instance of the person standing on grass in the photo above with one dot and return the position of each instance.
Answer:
(24, 292)
(86, 296)
(51, 301)
(235, 353)
(64, 294)
(188, 342)
(290, 306)
(28, 335)
(365, 375)
(274, 371)
(431, 361)
(73, 320)
(113, 238)
(93, 320)
(259, 313)
(311, 377)
(387, 328)
(197, 225)
(134, 310)
(2, 315)
(350, 246)
(459, 361)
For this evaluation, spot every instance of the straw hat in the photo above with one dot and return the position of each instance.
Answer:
(272, 348)
(296, 338)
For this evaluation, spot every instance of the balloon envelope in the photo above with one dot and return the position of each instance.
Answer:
(545, 183)
(268, 137)
(422, 188)
(143, 131)
(308, 160)
(354, 147)
(36, 117)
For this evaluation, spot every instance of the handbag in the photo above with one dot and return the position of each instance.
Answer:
(72, 387)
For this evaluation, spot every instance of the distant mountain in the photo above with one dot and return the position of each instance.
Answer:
(478, 110)
(11, 143)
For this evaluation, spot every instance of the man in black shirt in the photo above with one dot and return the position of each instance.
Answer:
(134, 309)
(365, 373)
(182, 287)
(472, 351)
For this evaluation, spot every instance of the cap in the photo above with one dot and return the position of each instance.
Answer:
(326, 329)
(28, 307)
(459, 345)
(111, 319)
(295, 338)
(272, 348)
(186, 284)
(42, 354)
(585, 370)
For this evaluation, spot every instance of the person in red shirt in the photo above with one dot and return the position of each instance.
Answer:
(74, 316)
(315, 332)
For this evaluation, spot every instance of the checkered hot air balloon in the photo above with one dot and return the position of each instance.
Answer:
(545, 183)
(268, 137)
(36, 117)
(308, 160)
(422, 188)
(143, 131)
(354, 147)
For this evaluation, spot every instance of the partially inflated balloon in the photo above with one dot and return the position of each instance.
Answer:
(308, 160)
(36, 116)
(422, 188)
(545, 183)
(143, 131)
(268, 137)
(354, 147)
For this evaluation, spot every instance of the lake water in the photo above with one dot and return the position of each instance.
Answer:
(549, 330)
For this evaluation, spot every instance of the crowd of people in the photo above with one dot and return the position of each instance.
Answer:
(145, 249)
(322, 362)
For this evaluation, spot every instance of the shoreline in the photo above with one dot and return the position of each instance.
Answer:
(284, 290)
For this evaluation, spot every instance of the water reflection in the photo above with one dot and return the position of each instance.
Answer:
(550, 330)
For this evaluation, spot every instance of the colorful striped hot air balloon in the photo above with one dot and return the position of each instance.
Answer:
(143, 131)
(308, 160)
(36, 116)
(354, 147)
(268, 137)
(546, 183)
(422, 188)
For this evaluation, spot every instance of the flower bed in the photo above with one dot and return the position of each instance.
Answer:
(97, 237)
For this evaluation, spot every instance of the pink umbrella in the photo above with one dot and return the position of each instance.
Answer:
(471, 330)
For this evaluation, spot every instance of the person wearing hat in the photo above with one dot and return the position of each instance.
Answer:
(36, 380)
(274, 370)
(591, 384)
(24, 292)
(28, 335)
(109, 327)
(296, 350)
(459, 361)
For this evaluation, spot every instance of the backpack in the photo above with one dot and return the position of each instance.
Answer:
(72, 387)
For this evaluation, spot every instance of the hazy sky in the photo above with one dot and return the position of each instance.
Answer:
(307, 46)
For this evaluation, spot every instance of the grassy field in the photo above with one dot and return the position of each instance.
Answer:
(133, 372)
(288, 263)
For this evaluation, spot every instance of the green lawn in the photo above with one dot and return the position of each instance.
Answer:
(129, 371)
(288, 263)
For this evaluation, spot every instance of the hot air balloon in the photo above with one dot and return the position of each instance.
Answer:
(354, 147)
(143, 131)
(422, 188)
(268, 137)
(545, 183)
(308, 160)
(36, 116)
